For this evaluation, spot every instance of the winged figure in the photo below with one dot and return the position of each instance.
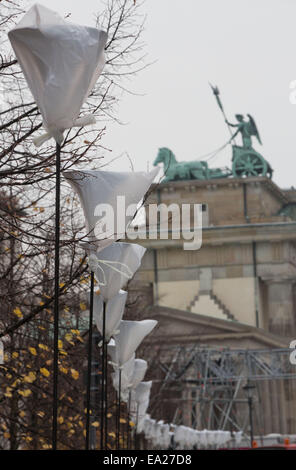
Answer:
(247, 129)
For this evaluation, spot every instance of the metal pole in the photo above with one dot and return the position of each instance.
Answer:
(56, 298)
(118, 411)
(103, 377)
(250, 402)
(136, 427)
(106, 395)
(89, 365)
(128, 419)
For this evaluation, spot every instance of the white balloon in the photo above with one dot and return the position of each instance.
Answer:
(143, 424)
(142, 391)
(111, 350)
(149, 427)
(61, 62)
(108, 192)
(131, 334)
(117, 264)
(165, 437)
(126, 373)
(138, 415)
(138, 374)
(113, 314)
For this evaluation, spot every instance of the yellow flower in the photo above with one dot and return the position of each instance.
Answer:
(33, 351)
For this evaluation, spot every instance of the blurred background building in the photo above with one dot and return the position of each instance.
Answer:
(226, 312)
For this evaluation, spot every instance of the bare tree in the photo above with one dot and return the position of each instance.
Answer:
(27, 179)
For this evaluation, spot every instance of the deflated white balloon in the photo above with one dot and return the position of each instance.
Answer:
(148, 427)
(140, 396)
(138, 414)
(109, 199)
(179, 436)
(139, 371)
(132, 373)
(142, 424)
(61, 62)
(111, 350)
(131, 334)
(165, 437)
(126, 372)
(156, 434)
(113, 314)
(116, 265)
(142, 391)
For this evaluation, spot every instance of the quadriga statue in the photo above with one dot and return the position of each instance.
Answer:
(197, 170)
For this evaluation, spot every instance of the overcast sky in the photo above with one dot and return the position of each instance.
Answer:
(245, 47)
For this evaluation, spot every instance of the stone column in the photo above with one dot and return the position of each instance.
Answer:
(280, 308)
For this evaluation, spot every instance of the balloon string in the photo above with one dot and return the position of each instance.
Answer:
(58, 134)
(111, 265)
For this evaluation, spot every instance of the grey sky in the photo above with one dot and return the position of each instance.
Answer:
(247, 48)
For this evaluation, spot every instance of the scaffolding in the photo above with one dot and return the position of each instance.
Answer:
(204, 387)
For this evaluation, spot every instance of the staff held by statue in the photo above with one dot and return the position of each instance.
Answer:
(216, 92)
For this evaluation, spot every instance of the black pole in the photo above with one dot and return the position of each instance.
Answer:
(56, 298)
(128, 419)
(103, 376)
(136, 427)
(250, 402)
(89, 365)
(118, 410)
(106, 394)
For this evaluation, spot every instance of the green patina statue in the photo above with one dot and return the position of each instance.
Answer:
(246, 161)
(174, 170)
(246, 129)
